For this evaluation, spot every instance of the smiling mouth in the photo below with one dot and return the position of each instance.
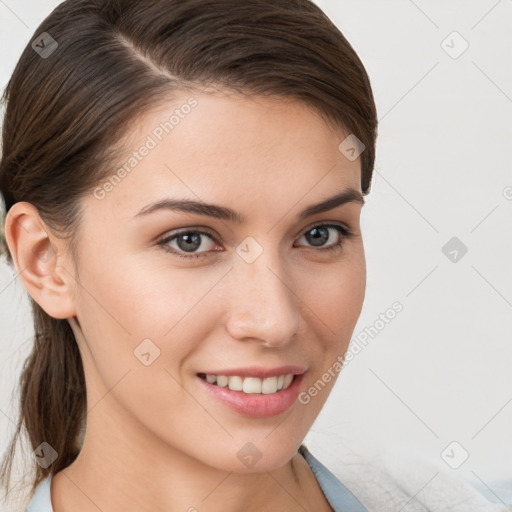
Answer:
(250, 385)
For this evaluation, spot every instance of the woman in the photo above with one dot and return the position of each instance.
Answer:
(184, 181)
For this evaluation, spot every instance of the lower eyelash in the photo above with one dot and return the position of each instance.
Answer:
(345, 232)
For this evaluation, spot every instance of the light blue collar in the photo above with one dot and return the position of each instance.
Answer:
(339, 497)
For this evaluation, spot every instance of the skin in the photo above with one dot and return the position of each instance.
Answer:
(152, 431)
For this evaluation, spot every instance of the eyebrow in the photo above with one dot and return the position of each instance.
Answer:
(224, 213)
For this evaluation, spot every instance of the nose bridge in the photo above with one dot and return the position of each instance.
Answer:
(262, 303)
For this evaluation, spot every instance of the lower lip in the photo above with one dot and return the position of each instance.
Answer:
(256, 405)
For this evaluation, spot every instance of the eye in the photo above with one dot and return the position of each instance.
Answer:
(189, 241)
(319, 234)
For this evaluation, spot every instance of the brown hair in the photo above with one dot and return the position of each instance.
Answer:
(112, 60)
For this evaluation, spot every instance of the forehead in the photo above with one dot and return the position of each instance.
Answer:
(251, 152)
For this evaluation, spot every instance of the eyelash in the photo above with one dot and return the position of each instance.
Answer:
(344, 231)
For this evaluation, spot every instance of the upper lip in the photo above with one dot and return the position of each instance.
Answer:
(259, 371)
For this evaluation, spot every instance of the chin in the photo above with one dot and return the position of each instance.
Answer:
(247, 457)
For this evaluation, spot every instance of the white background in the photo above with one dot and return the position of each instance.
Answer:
(441, 370)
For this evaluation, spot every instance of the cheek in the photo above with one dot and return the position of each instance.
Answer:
(139, 329)
(139, 292)
(336, 296)
(334, 305)
(135, 302)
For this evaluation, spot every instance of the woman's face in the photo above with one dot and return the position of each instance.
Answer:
(157, 311)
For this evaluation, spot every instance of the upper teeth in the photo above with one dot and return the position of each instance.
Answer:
(251, 384)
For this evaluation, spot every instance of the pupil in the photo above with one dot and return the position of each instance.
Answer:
(318, 235)
(187, 238)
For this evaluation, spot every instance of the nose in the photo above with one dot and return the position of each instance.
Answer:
(262, 303)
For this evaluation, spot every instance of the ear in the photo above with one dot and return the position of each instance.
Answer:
(39, 257)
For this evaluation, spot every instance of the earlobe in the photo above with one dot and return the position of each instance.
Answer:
(38, 257)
